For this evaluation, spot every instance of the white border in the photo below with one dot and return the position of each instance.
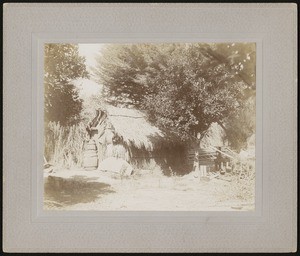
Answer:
(274, 231)
(38, 214)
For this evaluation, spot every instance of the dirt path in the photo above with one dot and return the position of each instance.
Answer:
(160, 193)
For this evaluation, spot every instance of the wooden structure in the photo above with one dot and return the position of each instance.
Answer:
(203, 154)
(210, 159)
(90, 157)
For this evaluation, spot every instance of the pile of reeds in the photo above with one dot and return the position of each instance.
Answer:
(63, 145)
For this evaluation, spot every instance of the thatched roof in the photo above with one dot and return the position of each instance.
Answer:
(133, 126)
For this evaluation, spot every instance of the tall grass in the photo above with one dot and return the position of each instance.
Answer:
(63, 145)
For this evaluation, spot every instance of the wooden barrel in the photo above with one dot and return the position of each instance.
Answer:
(90, 156)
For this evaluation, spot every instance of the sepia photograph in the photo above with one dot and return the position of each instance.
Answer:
(149, 126)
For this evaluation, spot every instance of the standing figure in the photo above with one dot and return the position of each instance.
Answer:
(219, 162)
(196, 166)
(92, 125)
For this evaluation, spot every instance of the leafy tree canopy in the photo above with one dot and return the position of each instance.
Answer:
(182, 87)
(62, 65)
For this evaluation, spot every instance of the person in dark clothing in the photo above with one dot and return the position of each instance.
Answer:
(91, 125)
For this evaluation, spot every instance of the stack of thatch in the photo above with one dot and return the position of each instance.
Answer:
(214, 136)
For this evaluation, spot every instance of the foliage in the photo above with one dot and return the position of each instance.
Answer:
(241, 125)
(241, 57)
(62, 65)
(89, 107)
(182, 87)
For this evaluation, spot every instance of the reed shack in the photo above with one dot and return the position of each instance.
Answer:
(126, 133)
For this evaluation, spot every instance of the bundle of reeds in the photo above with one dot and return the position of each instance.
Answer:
(63, 145)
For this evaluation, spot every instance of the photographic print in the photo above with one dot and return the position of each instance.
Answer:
(149, 126)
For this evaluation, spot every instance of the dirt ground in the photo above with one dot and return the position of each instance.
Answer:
(145, 191)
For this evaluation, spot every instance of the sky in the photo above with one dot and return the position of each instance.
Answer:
(90, 51)
(89, 87)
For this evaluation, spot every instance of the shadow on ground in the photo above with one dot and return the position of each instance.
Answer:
(60, 192)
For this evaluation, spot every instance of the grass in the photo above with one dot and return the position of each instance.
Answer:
(63, 146)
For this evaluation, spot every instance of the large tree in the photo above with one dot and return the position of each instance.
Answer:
(62, 65)
(182, 87)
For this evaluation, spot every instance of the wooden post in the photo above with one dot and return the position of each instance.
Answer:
(196, 160)
(203, 170)
(196, 165)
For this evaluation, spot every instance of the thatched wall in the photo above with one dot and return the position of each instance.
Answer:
(170, 158)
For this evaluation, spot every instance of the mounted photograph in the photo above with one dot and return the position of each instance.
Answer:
(149, 126)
